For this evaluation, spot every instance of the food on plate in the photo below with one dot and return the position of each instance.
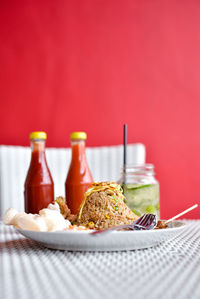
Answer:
(142, 198)
(9, 216)
(64, 209)
(161, 224)
(104, 207)
(77, 227)
(48, 219)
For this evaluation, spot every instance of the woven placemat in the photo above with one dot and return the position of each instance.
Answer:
(170, 270)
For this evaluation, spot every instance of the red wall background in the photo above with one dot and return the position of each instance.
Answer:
(94, 65)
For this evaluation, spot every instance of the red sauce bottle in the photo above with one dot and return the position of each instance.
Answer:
(38, 187)
(79, 177)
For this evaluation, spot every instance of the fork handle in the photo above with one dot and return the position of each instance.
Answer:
(97, 232)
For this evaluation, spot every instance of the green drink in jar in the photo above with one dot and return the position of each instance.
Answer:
(141, 189)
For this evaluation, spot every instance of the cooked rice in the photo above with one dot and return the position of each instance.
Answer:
(104, 207)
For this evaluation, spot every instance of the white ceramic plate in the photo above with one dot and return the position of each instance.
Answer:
(112, 241)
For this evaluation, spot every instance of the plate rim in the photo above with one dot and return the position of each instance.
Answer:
(88, 232)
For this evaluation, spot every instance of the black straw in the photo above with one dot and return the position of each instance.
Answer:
(125, 145)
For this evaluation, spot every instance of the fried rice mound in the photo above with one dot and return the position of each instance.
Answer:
(104, 207)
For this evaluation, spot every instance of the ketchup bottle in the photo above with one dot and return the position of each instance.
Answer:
(79, 177)
(38, 187)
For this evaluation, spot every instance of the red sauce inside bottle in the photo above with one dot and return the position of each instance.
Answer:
(79, 177)
(39, 186)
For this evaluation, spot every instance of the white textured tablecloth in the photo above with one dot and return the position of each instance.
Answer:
(170, 270)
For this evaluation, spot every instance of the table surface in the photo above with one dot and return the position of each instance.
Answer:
(170, 270)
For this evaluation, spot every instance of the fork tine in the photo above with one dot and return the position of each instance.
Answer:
(144, 219)
(149, 217)
(147, 221)
(151, 220)
(139, 221)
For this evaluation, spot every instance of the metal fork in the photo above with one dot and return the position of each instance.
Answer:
(146, 222)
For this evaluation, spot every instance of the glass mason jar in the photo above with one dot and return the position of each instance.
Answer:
(141, 189)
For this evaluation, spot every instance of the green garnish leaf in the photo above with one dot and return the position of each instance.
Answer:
(150, 209)
(115, 199)
(103, 207)
(116, 208)
(136, 212)
(137, 187)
